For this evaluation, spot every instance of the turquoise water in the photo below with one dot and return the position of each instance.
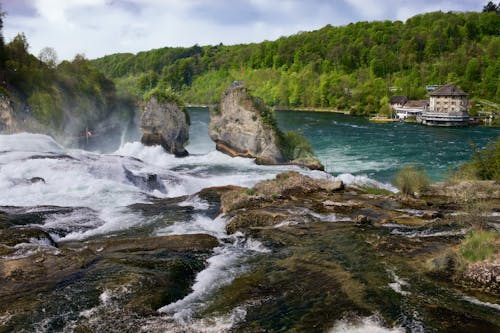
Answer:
(347, 144)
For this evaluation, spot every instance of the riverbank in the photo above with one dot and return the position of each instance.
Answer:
(309, 109)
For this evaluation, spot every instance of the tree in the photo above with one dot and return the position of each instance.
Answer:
(472, 72)
(48, 56)
(385, 108)
(19, 45)
(490, 7)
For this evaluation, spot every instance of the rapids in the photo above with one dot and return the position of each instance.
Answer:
(76, 198)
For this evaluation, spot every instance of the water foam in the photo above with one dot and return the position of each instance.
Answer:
(198, 224)
(370, 324)
(364, 180)
(227, 263)
(481, 303)
(398, 284)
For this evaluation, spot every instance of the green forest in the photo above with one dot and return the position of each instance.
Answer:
(60, 98)
(355, 68)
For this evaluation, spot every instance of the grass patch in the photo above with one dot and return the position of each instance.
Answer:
(480, 245)
(250, 191)
(411, 181)
(376, 191)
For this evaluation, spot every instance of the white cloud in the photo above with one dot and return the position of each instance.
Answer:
(99, 27)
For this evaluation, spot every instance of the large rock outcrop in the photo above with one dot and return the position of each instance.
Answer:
(244, 126)
(238, 128)
(163, 123)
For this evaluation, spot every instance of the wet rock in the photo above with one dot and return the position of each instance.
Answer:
(284, 186)
(18, 235)
(29, 215)
(134, 277)
(431, 214)
(147, 182)
(37, 180)
(342, 206)
(363, 220)
(163, 123)
(256, 218)
(213, 194)
(188, 242)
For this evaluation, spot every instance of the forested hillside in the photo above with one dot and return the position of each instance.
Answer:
(60, 99)
(350, 67)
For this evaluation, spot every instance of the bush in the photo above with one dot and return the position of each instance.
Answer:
(295, 146)
(163, 95)
(479, 245)
(411, 180)
(167, 95)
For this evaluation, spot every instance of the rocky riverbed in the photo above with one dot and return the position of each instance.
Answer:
(324, 256)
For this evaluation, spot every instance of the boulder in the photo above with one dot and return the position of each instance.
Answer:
(243, 126)
(163, 123)
(240, 127)
(284, 186)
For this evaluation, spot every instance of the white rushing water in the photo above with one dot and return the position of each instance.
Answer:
(370, 324)
(37, 172)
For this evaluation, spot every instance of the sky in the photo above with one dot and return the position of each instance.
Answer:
(100, 27)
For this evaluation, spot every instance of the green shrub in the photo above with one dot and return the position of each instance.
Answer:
(480, 245)
(266, 113)
(167, 95)
(411, 180)
(250, 191)
(163, 95)
(295, 146)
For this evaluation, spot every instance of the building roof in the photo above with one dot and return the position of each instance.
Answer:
(448, 90)
(419, 103)
(399, 99)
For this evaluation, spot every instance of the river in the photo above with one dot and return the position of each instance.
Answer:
(70, 196)
(347, 144)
